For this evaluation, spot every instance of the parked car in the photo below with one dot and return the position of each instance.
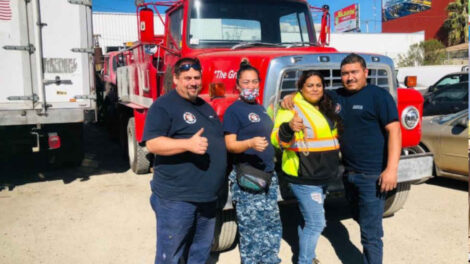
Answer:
(450, 100)
(447, 80)
(446, 137)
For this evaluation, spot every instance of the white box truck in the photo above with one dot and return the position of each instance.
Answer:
(47, 88)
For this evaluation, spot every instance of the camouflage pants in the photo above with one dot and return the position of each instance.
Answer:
(259, 223)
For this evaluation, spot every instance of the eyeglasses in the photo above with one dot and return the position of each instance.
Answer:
(186, 67)
(247, 82)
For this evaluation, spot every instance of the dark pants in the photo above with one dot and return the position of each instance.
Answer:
(367, 202)
(183, 226)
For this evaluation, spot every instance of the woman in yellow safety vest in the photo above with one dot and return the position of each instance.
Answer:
(307, 136)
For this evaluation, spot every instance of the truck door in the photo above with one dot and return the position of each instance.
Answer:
(173, 41)
(18, 89)
(67, 53)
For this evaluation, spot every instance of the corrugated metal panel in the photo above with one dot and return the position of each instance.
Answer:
(114, 29)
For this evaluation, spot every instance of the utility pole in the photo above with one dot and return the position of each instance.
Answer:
(374, 8)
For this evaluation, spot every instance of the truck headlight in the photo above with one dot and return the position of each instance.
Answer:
(410, 117)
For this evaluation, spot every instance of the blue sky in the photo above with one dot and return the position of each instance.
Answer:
(366, 9)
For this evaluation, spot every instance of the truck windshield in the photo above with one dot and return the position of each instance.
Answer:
(225, 23)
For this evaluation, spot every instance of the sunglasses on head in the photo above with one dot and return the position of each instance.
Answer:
(186, 67)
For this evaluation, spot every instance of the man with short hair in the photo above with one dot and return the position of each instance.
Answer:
(187, 138)
(370, 147)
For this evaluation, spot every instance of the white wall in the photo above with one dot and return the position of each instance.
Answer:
(116, 28)
(389, 44)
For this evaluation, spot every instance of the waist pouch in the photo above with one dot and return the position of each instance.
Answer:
(252, 179)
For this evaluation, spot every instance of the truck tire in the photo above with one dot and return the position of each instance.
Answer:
(138, 160)
(225, 230)
(397, 199)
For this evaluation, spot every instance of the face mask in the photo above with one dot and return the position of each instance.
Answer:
(249, 95)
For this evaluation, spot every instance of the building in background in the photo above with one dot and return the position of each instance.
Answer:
(391, 44)
(114, 30)
(415, 15)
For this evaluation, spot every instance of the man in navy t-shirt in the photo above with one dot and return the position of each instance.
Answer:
(370, 147)
(187, 138)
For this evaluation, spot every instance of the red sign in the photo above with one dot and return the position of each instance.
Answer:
(346, 19)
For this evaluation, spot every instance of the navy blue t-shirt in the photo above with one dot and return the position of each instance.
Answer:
(186, 176)
(365, 114)
(246, 121)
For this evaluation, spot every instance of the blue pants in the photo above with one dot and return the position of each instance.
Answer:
(367, 203)
(311, 199)
(181, 226)
(259, 223)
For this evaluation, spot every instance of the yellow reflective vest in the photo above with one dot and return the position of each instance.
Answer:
(317, 136)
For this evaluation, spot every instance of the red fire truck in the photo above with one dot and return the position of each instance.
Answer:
(278, 38)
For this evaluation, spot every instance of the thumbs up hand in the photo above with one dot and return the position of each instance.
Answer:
(296, 124)
(197, 143)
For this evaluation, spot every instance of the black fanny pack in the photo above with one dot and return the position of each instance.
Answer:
(252, 179)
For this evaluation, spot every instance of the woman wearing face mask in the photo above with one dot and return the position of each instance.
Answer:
(307, 135)
(247, 130)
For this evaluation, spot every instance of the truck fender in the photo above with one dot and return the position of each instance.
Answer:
(139, 116)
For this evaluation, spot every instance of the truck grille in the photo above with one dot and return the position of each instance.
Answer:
(377, 76)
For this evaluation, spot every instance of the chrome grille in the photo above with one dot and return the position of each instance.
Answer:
(377, 76)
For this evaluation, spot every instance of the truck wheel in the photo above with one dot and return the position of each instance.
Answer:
(138, 160)
(397, 199)
(225, 230)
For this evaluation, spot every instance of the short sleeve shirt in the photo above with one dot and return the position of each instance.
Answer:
(364, 115)
(186, 176)
(246, 121)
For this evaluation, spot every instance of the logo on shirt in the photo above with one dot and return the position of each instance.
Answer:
(337, 108)
(357, 107)
(189, 118)
(254, 118)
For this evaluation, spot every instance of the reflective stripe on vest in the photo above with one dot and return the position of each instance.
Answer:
(317, 135)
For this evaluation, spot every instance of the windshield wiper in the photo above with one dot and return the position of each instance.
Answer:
(255, 44)
(299, 44)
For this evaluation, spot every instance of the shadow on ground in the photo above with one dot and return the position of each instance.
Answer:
(102, 156)
(448, 183)
(336, 210)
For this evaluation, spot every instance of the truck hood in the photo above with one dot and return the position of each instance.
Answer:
(261, 52)
(219, 68)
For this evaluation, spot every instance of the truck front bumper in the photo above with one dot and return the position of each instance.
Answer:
(410, 168)
(415, 167)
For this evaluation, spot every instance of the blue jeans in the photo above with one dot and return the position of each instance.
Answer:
(311, 199)
(367, 204)
(181, 226)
